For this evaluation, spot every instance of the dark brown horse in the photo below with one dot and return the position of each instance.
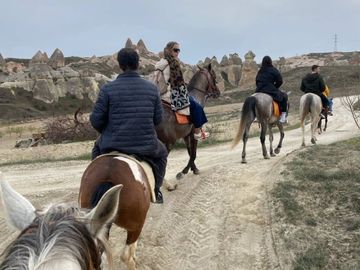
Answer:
(60, 236)
(201, 86)
(110, 170)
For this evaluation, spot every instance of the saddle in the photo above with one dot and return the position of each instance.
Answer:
(181, 119)
(276, 109)
(130, 159)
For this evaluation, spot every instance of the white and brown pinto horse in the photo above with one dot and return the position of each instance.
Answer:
(310, 104)
(110, 170)
(60, 236)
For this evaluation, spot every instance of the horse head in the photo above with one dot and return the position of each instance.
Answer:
(60, 236)
(204, 82)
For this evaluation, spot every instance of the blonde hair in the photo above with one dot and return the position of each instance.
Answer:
(168, 48)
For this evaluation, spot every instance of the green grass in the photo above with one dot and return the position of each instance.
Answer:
(319, 201)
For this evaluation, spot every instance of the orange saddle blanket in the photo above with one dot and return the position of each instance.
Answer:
(276, 110)
(182, 119)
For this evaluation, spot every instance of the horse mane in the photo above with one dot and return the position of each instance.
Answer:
(57, 235)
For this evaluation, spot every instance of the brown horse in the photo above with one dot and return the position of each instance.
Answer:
(109, 170)
(201, 86)
(60, 236)
(259, 105)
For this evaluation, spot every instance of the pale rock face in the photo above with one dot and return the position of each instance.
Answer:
(39, 58)
(2, 63)
(248, 72)
(57, 59)
(224, 61)
(13, 67)
(235, 59)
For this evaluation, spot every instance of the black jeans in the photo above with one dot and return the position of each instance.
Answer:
(324, 100)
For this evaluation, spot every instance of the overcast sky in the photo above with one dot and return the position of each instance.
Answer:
(202, 27)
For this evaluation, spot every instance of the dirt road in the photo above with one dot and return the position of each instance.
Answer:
(219, 219)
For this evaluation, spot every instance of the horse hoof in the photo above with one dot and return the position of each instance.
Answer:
(277, 150)
(196, 171)
(303, 145)
(273, 155)
(179, 176)
(313, 141)
(171, 187)
(266, 157)
(244, 161)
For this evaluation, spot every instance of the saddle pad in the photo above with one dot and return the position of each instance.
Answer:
(182, 119)
(276, 109)
(144, 165)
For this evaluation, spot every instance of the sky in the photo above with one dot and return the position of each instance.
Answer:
(203, 28)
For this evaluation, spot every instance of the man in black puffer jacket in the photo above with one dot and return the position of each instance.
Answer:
(126, 113)
(314, 83)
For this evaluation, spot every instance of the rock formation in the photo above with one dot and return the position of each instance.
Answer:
(57, 59)
(39, 58)
(248, 72)
(129, 43)
(2, 63)
(141, 47)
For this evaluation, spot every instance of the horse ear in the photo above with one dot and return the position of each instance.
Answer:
(19, 212)
(105, 211)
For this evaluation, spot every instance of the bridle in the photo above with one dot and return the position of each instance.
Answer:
(211, 89)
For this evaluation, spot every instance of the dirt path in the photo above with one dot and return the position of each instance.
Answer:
(217, 220)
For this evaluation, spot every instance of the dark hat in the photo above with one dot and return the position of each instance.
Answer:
(266, 61)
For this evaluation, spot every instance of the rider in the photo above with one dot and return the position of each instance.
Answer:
(178, 94)
(268, 81)
(126, 113)
(314, 83)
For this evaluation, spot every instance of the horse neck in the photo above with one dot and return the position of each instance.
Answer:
(197, 89)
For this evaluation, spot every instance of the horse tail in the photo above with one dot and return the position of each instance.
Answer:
(99, 192)
(248, 111)
(305, 108)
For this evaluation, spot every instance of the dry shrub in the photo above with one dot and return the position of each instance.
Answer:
(70, 129)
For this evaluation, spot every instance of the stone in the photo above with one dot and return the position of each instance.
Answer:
(141, 46)
(57, 59)
(38, 58)
(129, 43)
(2, 63)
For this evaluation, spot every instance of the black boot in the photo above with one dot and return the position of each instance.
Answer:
(159, 196)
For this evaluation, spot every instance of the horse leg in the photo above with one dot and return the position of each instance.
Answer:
(245, 138)
(128, 256)
(326, 120)
(190, 164)
(282, 135)
(271, 139)
(315, 120)
(262, 140)
(319, 126)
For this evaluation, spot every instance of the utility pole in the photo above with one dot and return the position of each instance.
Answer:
(335, 42)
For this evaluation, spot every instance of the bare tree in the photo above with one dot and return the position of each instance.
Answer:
(352, 104)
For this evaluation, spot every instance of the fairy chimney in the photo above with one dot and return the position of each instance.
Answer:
(2, 63)
(141, 46)
(248, 72)
(129, 43)
(57, 59)
(39, 58)
(224, 61)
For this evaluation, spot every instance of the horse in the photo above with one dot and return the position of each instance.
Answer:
(60, 236)
(259, 105)
(113, 169)
(201, 86)
(310, 104)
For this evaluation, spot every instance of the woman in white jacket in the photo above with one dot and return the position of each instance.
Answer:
(177, 94)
